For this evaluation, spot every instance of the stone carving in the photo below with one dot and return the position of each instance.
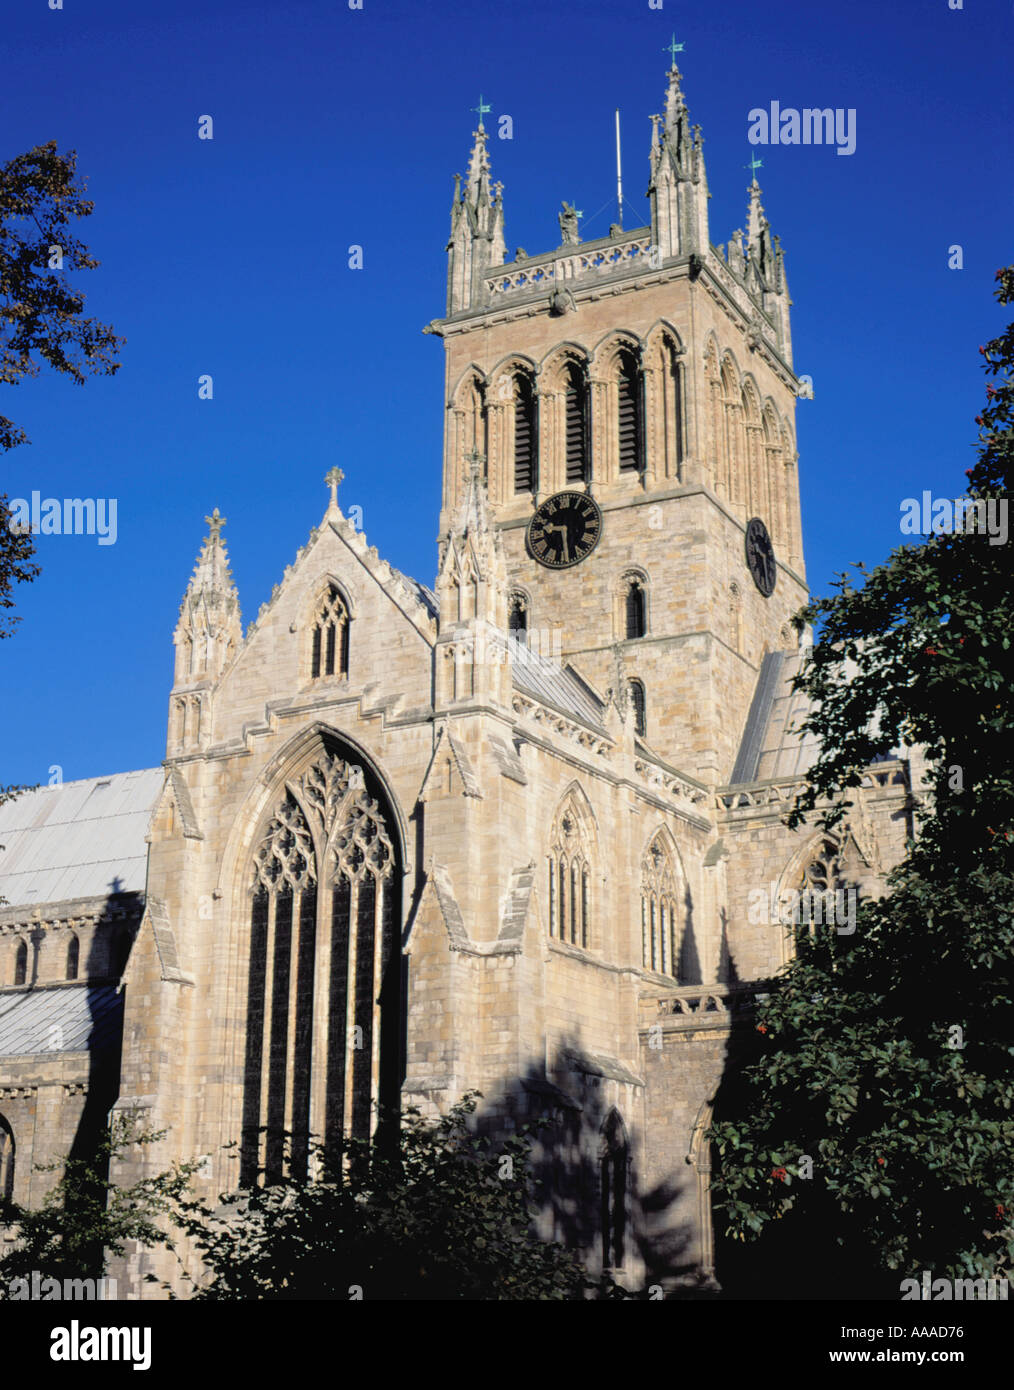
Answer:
(348, 822)
(285, 857)
(568, 225)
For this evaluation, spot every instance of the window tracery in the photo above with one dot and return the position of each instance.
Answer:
(660, 915)
(321, 1053)
(330, 643)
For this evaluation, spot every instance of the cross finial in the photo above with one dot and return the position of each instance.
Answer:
(753, 166)
(215, 523)
(483, 110)
(333, 477)
(673, 47)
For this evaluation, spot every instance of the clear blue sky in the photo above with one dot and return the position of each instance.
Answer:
(335, 127)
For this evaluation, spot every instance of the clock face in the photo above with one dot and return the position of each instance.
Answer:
(760, 556)
(564, 530)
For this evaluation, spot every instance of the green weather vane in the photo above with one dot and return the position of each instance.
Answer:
(673, 47)
(753, 166)
(482, 109)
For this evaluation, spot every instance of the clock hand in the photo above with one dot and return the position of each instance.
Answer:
(564, 530)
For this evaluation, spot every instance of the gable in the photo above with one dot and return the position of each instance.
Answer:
(391, 633)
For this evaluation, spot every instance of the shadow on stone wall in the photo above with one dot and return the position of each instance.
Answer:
(101, 970)
(588, 1134)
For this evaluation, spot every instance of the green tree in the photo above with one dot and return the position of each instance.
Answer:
(440, 1212)
(886, 1055)
(41, 318)
(16, 565)
(85, 1218)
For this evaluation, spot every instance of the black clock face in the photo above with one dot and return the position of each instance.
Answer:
(760, 556)
(564, 530)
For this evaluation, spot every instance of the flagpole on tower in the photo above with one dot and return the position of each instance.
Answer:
(619, 173)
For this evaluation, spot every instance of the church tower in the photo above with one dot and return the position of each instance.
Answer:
(633, 398)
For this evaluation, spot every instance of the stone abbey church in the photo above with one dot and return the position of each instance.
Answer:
(506, 833)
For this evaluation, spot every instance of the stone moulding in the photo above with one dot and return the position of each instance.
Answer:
(546, 715)
(699, 1006)
(779, 791)
(554, 269)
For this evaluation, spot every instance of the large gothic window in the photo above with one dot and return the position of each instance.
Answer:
(324, 976)
(526, 466)
(575, 424)
(6, 1163)
(660, 917)
(614, 1162)
(330, 644)
(569, 869)
(822, 890)
(628, 413)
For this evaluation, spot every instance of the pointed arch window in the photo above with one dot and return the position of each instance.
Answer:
(628, 413)
(526, 463)
(660, 934)
(21, 963)
(639, 704)
(575, 420)
(330, 647)
(635, 609)
(820, 895)
(517, 618)
(569, 868)
(6, 1163)
(323, 1034)
(73, 956)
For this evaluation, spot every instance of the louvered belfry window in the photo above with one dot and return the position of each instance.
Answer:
(323, 986)
(526, 471)
(575, 431)
(628, 414)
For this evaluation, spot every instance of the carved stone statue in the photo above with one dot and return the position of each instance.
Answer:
(568, 225)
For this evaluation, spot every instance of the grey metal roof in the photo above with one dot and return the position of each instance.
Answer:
(78, 840)
(70, 1018)
(552, 684)
(771, 745)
